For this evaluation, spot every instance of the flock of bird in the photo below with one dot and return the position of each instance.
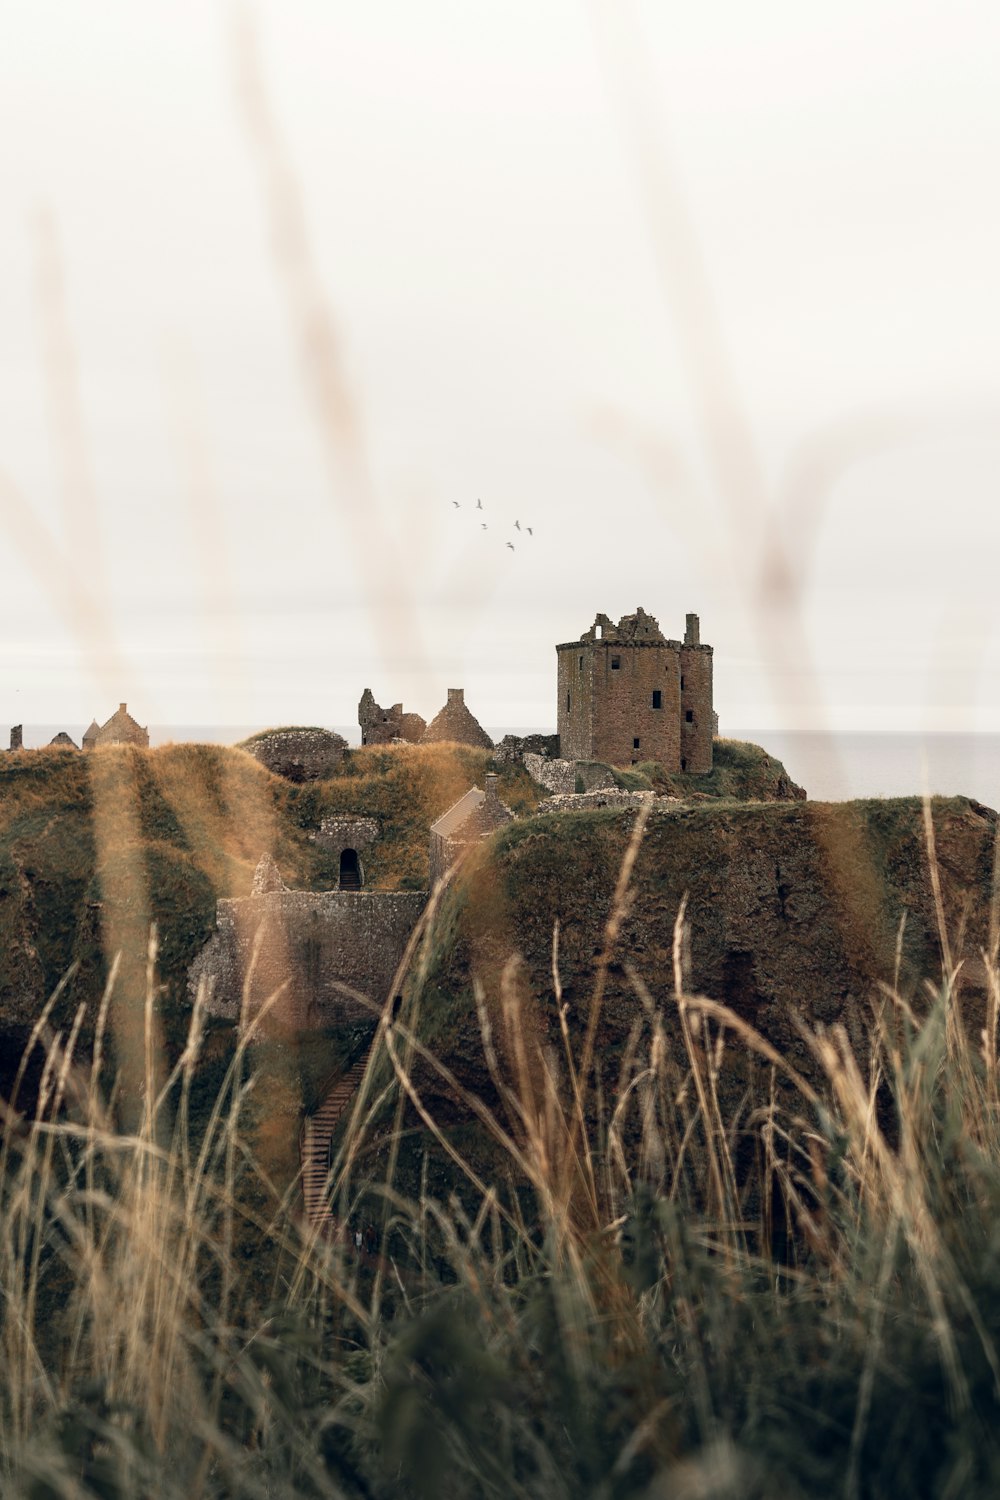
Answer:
(525, 530)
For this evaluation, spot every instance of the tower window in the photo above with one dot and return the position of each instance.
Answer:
(616, 662)
(567, 700)
(682, 682)
(657, 698)
(581, 663)
(690, 716)
(635, 744)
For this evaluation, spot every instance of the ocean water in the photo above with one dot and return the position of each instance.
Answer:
(830, 767)
(835, 767)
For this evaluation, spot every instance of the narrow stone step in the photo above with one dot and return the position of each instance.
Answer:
(317, 1130)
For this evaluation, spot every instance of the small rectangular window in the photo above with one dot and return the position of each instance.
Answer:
(581, 663)
(657, 698)
(682, 683)
(690, 716)
(567, 700)
(616, 662)
(635, 744)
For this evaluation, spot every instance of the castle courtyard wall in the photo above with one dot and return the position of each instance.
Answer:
(314, 941)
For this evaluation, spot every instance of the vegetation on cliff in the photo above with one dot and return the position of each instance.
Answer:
(660, 1312)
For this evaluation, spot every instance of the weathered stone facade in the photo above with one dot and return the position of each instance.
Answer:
(606, 797)
(120, 729)
(344, 836)
(380, 726)
(299, 755)
(472, 817)
(457, 724)
(514, 747)
(311, 941)
(568, 776)
(627, 694)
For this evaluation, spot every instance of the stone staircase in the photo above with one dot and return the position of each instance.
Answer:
(314, 1143)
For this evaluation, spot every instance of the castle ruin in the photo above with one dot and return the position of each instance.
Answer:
(120, 729)
(628, 694)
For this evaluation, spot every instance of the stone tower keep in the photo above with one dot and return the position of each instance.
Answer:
(627, 694)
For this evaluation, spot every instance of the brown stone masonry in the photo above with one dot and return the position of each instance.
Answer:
(627, 694)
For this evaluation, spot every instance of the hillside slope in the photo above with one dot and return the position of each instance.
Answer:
(797, 914)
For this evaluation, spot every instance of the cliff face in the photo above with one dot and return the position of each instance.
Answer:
(794, 914)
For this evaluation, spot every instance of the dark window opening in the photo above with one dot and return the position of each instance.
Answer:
(616, 662)
(682, 682)
(568, 700)
(690, 716)
(684, 764)
(635, 744)
(581, 663)
(657, 698)
(350, 870)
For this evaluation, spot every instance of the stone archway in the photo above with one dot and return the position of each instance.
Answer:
(351, 873)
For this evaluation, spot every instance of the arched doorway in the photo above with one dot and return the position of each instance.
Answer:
(350, 870)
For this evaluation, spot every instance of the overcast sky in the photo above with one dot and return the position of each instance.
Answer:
(706, 295)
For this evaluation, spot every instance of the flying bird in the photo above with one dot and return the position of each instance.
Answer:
(483, 525)
(517, 525)
(479, 505)
(529, 531)
(456, 505)
(511, 545)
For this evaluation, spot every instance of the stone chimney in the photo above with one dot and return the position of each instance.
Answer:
(692, 631)
(456, 697)
(17, 737)
(122, 709)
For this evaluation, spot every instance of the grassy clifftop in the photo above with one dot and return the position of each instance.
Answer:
(797, 913)
(95, 847)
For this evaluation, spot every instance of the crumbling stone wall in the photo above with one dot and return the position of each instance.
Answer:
(299, 754)
(514, 747)
(380, 726)
(311, 942)
(346, 832)
(568, 776)
(606, 797)
(120, 729)
(620, 697)
(455, 722)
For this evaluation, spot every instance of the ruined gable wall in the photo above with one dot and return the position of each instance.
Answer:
(314, 940)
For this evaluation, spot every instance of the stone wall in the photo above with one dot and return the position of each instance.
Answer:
(568, 776)
(697, 717)
(380, 726)
(609, 797)
(313, 940)
(514, 747)
(456, 723)
(299, 754)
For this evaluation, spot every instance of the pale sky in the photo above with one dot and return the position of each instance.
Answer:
(707, 295)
